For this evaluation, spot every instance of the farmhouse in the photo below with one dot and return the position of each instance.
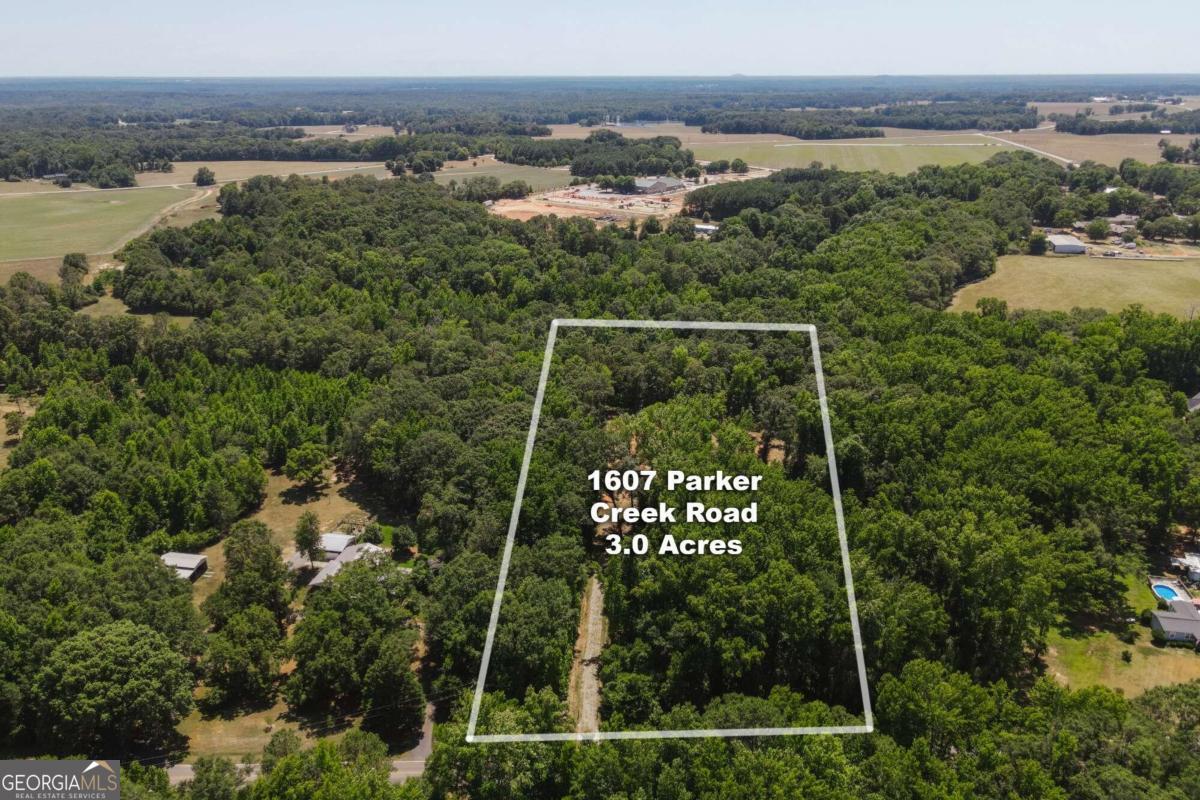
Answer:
(659, 185)
(1180, 624)
(1061, 243)
(349, 555)
(188, 566)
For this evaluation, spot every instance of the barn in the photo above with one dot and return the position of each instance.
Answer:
(1061, 243)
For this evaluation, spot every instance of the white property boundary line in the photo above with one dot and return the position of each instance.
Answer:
(768, 327)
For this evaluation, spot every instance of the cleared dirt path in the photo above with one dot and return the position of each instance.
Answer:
(584, 695)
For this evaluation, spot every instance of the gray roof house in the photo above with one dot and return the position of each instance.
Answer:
(658, 185)
(188, 566)
(336, 542)
(348, 556)
(1180, 624)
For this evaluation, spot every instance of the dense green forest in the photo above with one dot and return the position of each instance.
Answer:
(107, 156)
(847, 124)
(998, 470)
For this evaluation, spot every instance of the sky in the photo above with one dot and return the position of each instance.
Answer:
(569, 37)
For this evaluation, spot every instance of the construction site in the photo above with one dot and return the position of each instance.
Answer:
(656, 197)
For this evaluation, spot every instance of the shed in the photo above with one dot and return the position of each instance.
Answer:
(188, 566)
(1179, 624)
(1062, 243)
(1194, 403)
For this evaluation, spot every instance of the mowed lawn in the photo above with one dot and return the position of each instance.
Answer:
(540, 178)
(1060, 283)
(47, 225)
(1079, 658)
(899, 156)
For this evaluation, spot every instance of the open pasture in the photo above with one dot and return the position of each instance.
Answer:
(540, 178)
(49, 225)
(226, 171)
(896, 156)
(1060, 283)
(1109, 148)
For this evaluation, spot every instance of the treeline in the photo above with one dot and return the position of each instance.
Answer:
(603, 152)
(848, 124)
(1084, 125)
(801, 124)
(109, 157)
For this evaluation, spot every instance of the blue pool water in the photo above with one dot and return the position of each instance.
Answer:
(1165, 592)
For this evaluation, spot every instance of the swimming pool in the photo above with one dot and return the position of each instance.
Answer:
(1165, 592)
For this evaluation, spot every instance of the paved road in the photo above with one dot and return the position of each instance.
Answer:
(405, 766)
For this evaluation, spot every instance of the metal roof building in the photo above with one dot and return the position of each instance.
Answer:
(188, 566)
(1061, 243)
(657, 185)
(348, 556)
(336, 542)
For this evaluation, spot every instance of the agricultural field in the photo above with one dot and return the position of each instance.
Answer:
(337, 132)
(1060, 283)
(227, 171)
(540, 178)
(49, 225)
(691, 135)
(900, 150)
(1099, 110)
(1110, 148)
(895, 155)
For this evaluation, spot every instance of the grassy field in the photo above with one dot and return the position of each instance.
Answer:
(691, 134)
(226, 171)
(540, 178)
(91, 222)
(1060, 283)
(1109, 148)
(900, 157)
(109, 306)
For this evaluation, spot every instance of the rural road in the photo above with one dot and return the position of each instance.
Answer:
(1027, 147)
(585, 699)
(407, 765)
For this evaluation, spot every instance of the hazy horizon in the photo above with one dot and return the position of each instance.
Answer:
(532, 38)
